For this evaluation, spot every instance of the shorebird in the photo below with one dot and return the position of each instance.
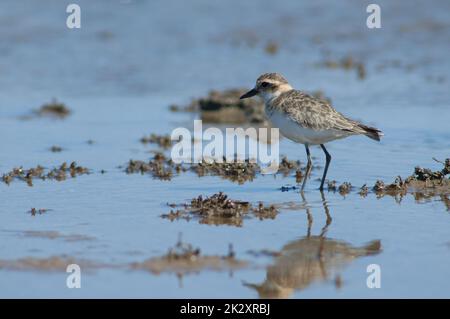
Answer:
(305, 119)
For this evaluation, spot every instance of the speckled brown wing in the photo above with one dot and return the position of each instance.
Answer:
(313, 113)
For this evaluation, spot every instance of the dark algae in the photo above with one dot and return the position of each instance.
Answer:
(60, 173)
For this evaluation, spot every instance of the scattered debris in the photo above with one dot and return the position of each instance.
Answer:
(286, 166)
(58, 173)
(220, 210)
(345, 188)
(427, 175)
(379, 186)
(331, 186)
(397, 188)
(239, 171)
(33, 211)
(217, 210)
(176, 108)
(184, 259)
(56, 149)
(159, 167)
(364, 190)
(235, 171)
(271, 48)
(243, 171)
(163, 141)
(263, 212)
(298, 176)
(422, 180)
(53, 109)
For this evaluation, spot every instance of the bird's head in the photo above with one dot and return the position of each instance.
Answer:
(268, 86)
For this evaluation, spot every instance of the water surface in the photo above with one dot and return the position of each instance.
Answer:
(130, 60)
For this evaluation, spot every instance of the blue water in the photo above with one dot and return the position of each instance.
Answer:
(130, 60)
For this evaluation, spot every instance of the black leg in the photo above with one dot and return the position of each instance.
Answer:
(308, 167)
(327, 163)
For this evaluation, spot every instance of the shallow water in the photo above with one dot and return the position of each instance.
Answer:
(130, 60)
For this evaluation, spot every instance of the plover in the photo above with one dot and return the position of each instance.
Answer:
(305, 119)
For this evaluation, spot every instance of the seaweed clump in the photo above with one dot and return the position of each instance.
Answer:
(53, 109)
(220, 210)
(345, 188)
(331, 185)
(399, 187)
(286, 166)
(236, 171)
(427, 175)
(264, 212)
(37, 211)
(58, 173)
(244, 171)
(423, 179)
(363, 191)
(159, 167)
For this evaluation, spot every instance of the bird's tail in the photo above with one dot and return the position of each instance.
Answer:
(371, 132)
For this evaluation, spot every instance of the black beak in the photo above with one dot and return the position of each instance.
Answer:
(250, 93)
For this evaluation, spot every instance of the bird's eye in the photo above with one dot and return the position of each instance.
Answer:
(265, 84)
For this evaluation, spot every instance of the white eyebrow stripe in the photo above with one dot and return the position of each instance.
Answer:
(271, 81)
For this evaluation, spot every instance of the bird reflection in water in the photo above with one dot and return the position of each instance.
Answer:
(311, 259)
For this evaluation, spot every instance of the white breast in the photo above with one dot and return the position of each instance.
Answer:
(299, 134)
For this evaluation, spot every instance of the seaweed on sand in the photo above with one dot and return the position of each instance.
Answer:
(58, 173)
(218, 209)
(236, 171)
(159, 167)
(53, 109)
